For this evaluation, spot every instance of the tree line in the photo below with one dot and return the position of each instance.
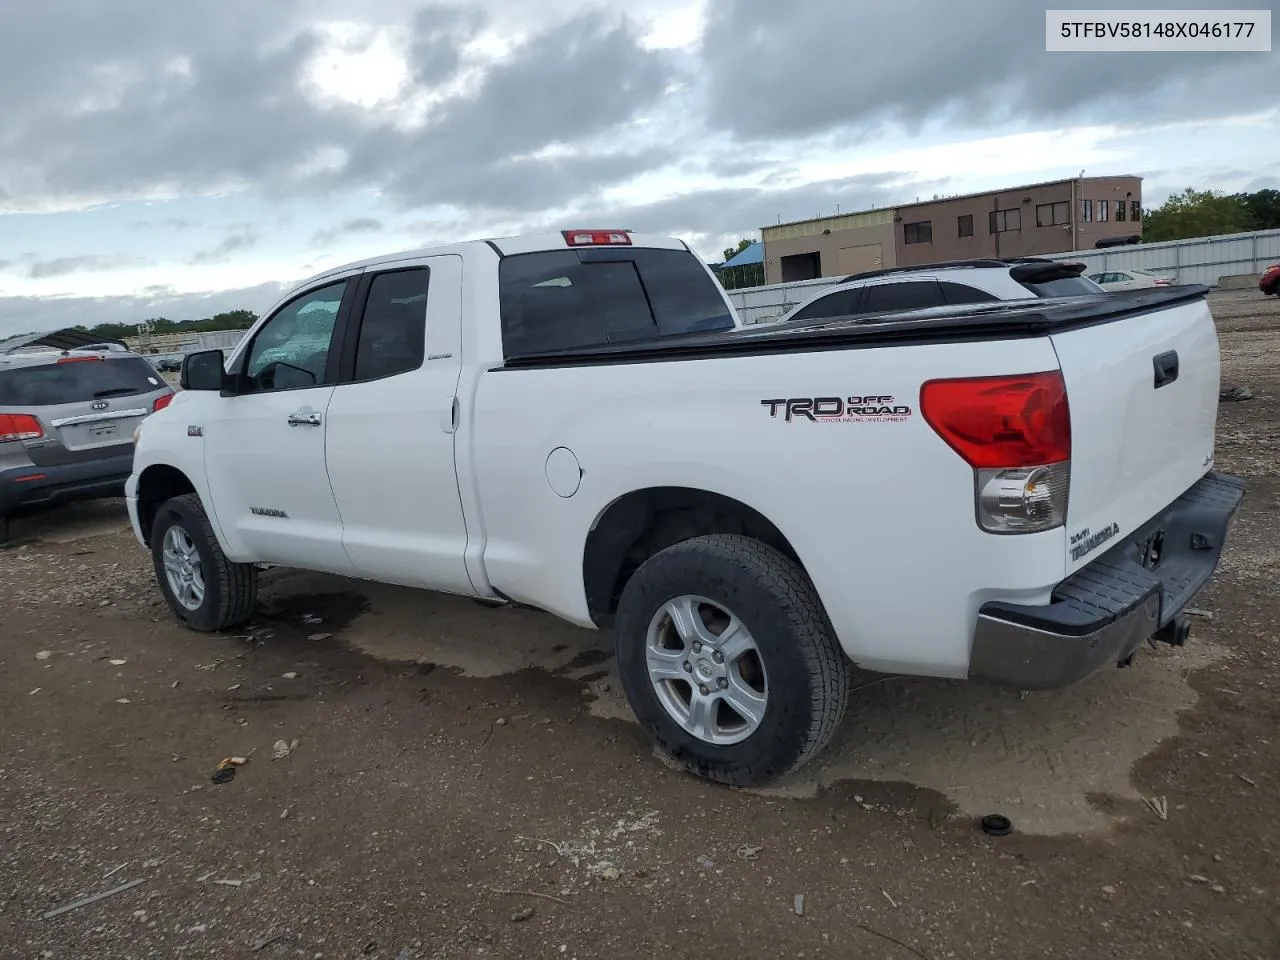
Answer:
(160, 326)
(1211, 213)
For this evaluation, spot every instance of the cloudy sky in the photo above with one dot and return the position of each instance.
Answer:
(177, 159)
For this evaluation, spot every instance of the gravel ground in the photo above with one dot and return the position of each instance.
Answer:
(467, 782)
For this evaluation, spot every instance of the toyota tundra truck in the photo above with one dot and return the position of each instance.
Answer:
(1020, 492)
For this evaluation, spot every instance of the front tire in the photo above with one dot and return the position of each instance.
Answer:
(204, 589)
(728, 659)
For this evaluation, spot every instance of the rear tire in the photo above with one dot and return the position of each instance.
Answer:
(792, 685)
(204, 589)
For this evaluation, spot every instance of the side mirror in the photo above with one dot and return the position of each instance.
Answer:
(203, 371)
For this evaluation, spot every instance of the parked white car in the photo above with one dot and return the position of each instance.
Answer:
(1017, 491)
(952, 283)
(1129, 280)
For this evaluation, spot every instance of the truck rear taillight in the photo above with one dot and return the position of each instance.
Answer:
(597, 238)
(15, 427)
(1015, 432)
(162, 402)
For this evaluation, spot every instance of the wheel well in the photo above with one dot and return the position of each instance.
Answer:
(156, 486)
(635, 527)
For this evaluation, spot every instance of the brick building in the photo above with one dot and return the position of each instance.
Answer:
(1054, 217)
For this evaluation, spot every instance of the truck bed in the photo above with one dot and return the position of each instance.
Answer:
(999, 320)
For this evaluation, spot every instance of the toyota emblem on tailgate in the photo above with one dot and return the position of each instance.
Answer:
(100, 404)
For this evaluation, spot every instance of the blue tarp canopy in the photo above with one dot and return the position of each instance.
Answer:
(753, 254)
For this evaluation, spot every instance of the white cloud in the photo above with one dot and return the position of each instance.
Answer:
(448, 119)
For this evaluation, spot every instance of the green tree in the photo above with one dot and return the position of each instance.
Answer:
(731, 252)
(229, 320)
(1264, 208)
(1196, 213)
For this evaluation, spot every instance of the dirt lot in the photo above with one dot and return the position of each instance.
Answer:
(467, 783)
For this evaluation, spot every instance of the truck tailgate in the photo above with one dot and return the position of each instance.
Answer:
(1143, 391)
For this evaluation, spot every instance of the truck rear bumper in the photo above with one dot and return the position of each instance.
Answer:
(1103, 612)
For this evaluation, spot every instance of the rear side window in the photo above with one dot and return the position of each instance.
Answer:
(567, 299)
(393, 330)
(841, 303)
(956, 293)
(908, 295)
(77, 381)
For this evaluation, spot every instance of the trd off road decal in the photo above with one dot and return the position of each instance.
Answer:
(856, 409)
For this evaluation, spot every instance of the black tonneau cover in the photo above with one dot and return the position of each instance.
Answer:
(998, 320)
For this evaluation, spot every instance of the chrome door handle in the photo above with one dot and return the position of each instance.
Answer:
(304, 419)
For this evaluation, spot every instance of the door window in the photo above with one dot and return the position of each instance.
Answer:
(291, 350)
(841, 303)
(909, 295)
(393, 328)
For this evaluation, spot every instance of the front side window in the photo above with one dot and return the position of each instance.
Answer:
(393, 331)
(291, 350)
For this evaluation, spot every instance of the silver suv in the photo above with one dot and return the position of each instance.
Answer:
(942, 284)
(66, 424)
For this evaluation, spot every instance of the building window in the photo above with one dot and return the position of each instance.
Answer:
(919, 232)
(1119, 211)
(1135, 210)
(1104, 211)
(1086, 211)
(1003, 221)
(964, 225)
(1053, 214)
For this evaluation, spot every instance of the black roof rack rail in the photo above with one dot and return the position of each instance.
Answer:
(987, 262)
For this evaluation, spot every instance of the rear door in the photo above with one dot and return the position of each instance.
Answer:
(86, 406)
(391, 425)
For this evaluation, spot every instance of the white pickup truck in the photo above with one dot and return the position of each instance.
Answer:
(1020, 491)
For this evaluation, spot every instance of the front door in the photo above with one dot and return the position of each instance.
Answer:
(265, 447)
(391, 424)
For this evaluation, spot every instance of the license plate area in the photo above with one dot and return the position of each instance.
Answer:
(103, 432)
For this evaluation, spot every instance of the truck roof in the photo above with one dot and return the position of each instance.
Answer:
(502, 246)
